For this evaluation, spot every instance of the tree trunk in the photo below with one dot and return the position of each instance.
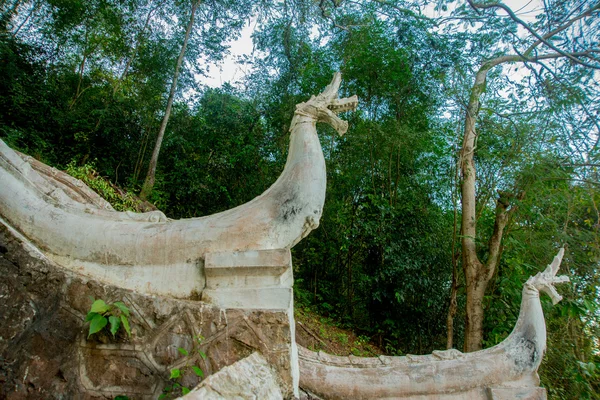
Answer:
(81, 70)
(453, 306)
(477, 274)
(474, 310)
(471, 263)
(150, 176)
(451, 310)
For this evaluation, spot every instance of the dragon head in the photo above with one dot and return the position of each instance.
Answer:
(325, 106)
(545, 281)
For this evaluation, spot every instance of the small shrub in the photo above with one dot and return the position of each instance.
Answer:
(88, 175)
(176, 374)
(102, 314)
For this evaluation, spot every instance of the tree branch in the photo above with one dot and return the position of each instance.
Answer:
(543, 39)
(503, 213)
(585, 109)
(563, 27)
(327, 15)
(524, 58)
(403, 10)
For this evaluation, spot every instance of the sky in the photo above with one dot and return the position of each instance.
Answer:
(230, 71)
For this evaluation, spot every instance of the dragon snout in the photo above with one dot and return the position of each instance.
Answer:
(342, 105)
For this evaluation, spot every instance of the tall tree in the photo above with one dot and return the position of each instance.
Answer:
(221, 20)
(150, 176)
(541, 45)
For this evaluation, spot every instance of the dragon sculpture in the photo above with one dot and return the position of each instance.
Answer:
(505, 371)
(153, 254)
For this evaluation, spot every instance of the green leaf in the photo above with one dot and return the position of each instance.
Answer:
(114, 324)
(185, 390)
(96, 324)
(89, 316)
(183, 351)
(198, 371)
(175, 373)
(202, 354)
(99, 307)
(121, 306)
(126, 324)
(121, 397)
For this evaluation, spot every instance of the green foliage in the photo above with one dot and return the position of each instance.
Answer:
(121, 201)
(216, 159)
(101, 314)
(554, 214)
(175, 388)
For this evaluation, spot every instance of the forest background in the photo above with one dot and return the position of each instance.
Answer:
(472, 158)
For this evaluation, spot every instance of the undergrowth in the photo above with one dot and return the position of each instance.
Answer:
(320, 333)
(118, 199)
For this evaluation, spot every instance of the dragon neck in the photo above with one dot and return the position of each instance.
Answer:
(529, 334)
(304, 141)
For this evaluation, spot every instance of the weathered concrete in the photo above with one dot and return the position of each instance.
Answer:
(260, 279)
(508, 370)
(252, 269)
(44, 351)
(249, 280)
(247, 379)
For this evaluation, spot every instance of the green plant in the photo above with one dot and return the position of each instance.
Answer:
(87, 173)
(177, 373)
(102, 314)
(342, 338)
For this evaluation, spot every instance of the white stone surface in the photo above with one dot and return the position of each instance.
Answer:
(247, 299)
(517, 393)
(254, 279)
(249, 269)
(247, 379)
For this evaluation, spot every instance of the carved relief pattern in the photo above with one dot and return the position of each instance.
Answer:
(48, 349)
